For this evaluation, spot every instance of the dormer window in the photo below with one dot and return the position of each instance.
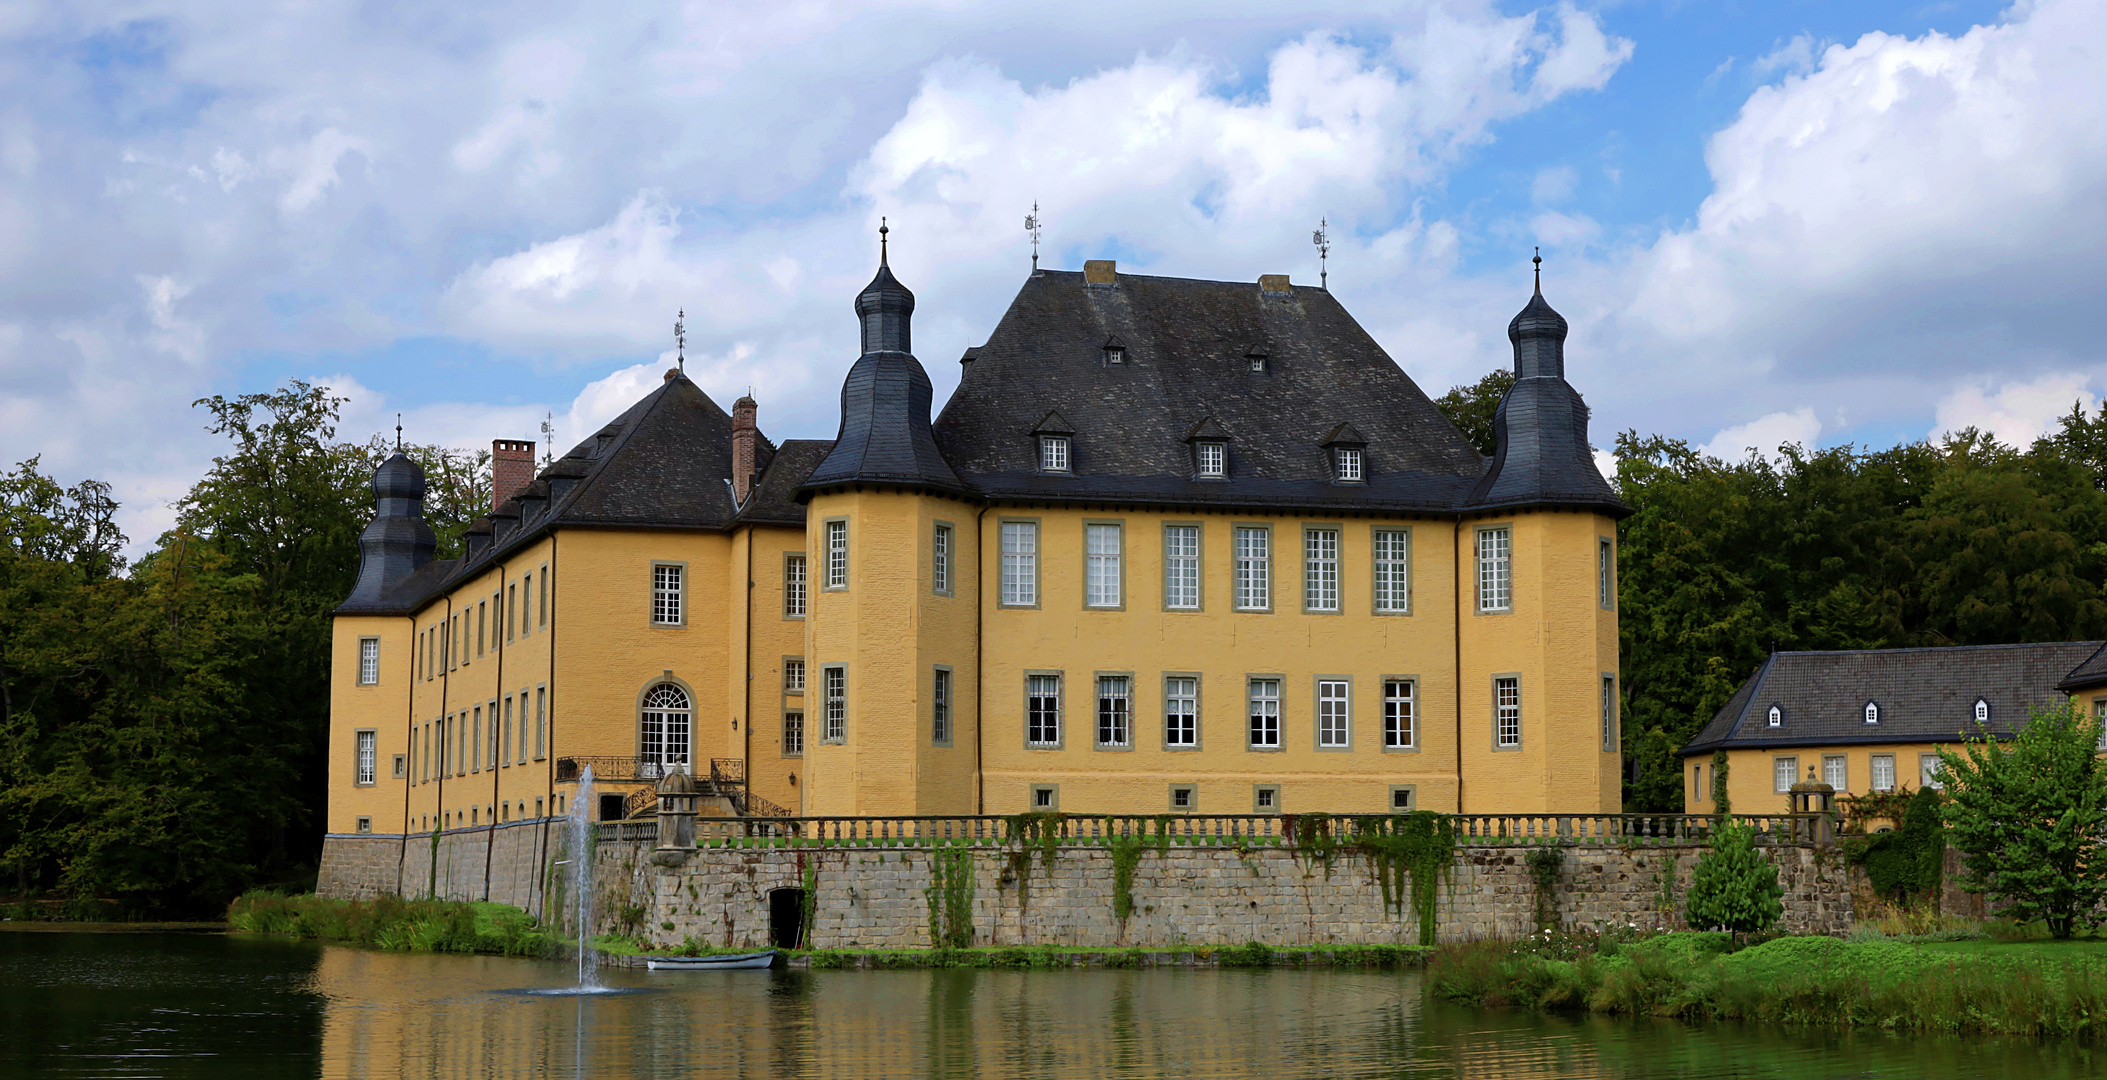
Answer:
(1872, 712)
(1258, 361)
(1982, 711)
(1777, 716)
(1346, 463)
(1348, 449)
(1053, 453)
(1115, 352)
(1212, 459)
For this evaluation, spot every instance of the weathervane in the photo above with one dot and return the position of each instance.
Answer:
(548, 438)
(1322, 238)
(680, 338)
(1031, 229)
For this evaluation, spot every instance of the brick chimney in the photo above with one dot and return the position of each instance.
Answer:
(511, 468)
(744, 435)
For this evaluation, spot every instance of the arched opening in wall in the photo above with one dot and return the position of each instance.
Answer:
(786, 917)
(662, 730)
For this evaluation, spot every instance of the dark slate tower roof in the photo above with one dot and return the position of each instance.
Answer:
(398, 543)
(1542, 456)
(885, 436)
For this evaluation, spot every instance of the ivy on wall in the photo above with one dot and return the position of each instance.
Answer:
(1544, 864)
(950, 896)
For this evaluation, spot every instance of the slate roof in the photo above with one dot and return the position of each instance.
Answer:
(884, 436)
(1924, 695)
(774, 498)
(2092, 672)
(1188, 345)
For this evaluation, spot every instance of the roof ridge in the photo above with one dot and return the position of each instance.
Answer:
(1944, 648)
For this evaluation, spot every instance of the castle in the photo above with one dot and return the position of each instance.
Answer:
(1173, 546)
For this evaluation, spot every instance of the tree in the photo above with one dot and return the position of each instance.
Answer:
(1472, 408)
(456, 487)
(1907, 863)
(2029, 818)
(1721, 804)
(1734, 888)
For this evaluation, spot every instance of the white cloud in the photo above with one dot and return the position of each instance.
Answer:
(313, 167)
(1553, 185)
(1764, 435)
(1795, 57)
(2016, 413)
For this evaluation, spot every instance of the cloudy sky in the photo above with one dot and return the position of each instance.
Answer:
(1767, 221)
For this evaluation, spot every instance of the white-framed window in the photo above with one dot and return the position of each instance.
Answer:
(1982, 711)
(1320, 570)
(1103, 544)
(1496, 569)
(1400, 714)
(368, 661)
(1115, 711)
(1053, 453)
(837, 554)
(1346, 463)
(794, 587)
(1212, 459)
(940, 707)
(1334, 714)
(1115, 355)
(1020, 563)
(662, 735)
(1784, 772)
(1393, 571)
(794, 676)
(793, 733)
(1928, 771)
(1258, 363)
(834, 694)
(1181, 567)
(1507, 712)
(1181, 711)
(1836, 772)
(363, 755)
(1264, 712)
(1606, 573)
(665, 595)
(940, 560)
(1609, 714)
(1254, 568)
(1042, 710)
(1883, 772)
(1872, 712)
(1776, 716)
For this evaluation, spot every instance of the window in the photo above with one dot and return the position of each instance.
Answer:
(837, 554)
(1265, 799)
(1320, 570)
(794, 676)
(495, 760)
(542, 616)
(1102, 587)
(1115, 711)
(424, 767)
(1265, 714)
(1181, 567)
(1053, 453)
(1020, 563)
(1928, 771)
(1609, 714)
(1507, 713)
(1606, 574)
(1181, 711)
(402, 767)
(665, 595)
(835, 691)
(1393, 571)
(1872, 712)
(1046, 797)
(363, 763)
(1184, 798)
(793, 734)
(940, 708)
(1982, 711)
(1115, 356)
(1258, 363)
(1334, 715)
(474, 734)
(427, 652)
(794, 586)
(1495, 569)
(368, 661)
(1784, 771)
(1835, 772)
(1254, 569)
(1776, 716)
(1399, 714)
(526, 608)
(1883, 772)
(541, 722)
(940, 561)
(505, 745)
(1042, 710)
(523, 714)
(663, 731)
(1213, 459)
(1346, 463)
(482, 625)
(365, 825)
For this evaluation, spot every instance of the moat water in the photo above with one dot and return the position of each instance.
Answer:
(224, 1006)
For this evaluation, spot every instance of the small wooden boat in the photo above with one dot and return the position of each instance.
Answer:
(725, 962)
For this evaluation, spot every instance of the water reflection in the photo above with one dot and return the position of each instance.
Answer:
(226, 1007)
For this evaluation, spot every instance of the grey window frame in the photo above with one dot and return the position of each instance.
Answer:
(1478, 565)
(1375, 569)
(1612, 709)
(1310, 532)
(943, 550)
(1606, 572)
(828, 699)
(1280, 741)
(1317, 684)
(1060, 708)
(1002, 563)
(1053, 798)
(1192, 800)
(828, 531)
(1199, 690)
(943, 692)
(1520, 732)
(1236, 565)
(1119, 562)
(1873, 773)
(541, 613)
(369, 643)
(1411, 793)
(1842, 773)
(679, 598)
(1199, 566)
(1256, 805)
(803, 673)
(1410, 746)
(1792, 772)
(365, 757)
(1097, 711)
(541, 721)
(785, 736)
(797, 584)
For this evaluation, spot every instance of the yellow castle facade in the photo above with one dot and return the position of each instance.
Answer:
(1173, 546)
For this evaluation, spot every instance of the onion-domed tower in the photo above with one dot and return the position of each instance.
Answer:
(398, 541)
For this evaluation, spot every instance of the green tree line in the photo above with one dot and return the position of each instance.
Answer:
(163, 723)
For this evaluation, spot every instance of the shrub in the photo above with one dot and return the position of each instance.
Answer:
(1734, 887)
(2028, 816)
(1905, 865)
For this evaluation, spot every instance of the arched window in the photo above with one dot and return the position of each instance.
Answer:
(662, 731)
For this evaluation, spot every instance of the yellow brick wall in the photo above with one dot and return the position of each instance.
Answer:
(382, 708)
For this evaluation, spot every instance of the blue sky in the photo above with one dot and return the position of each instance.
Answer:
(1768, 222)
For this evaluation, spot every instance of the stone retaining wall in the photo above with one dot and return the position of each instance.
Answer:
(504, 864)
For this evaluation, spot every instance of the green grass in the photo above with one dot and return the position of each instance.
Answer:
(1254, 954)
(1959, 987)
(389, 923)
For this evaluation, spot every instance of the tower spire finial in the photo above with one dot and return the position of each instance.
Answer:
(1323, 239)
(1031, 228)
(1539, 261)
(882, 230)
(680, 337)
(398, 433)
